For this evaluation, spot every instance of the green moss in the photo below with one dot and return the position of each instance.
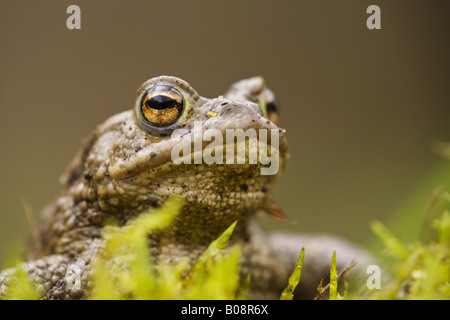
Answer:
(20, 286)
(333, 278)
(392, 245)
(421, 271)
(124, 269)
(294, 279)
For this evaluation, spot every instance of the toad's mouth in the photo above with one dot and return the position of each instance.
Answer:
(244, 152)
(265, 150)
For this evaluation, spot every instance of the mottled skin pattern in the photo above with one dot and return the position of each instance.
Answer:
(124, 169)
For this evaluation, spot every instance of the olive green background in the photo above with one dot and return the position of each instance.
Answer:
(361, 107)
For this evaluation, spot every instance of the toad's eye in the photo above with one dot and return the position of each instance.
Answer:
(161, 106)
(272, 106)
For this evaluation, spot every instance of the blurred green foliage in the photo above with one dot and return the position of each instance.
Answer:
(419, 262)
(124, 269)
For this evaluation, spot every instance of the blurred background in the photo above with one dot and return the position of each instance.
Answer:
(361, 107)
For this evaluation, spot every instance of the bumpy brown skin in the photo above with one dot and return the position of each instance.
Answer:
(123, 170)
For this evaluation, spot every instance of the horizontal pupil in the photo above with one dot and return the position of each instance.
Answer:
(162, 102)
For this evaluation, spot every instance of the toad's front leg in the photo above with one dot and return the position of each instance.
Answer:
(56, 277)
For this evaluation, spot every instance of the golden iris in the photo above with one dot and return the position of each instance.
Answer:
(162, 105)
